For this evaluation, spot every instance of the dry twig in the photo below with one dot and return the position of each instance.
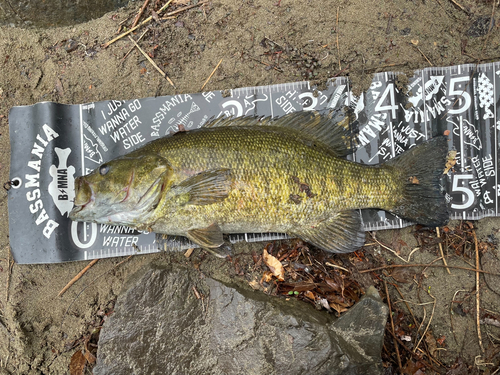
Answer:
(135, 27)
(393, 251)
(152, 62)
(406, 303)
(477, 294)
(77, 277)
(427, 265)
(131, 49)
(9, 266)
(196, 293)
(269, 65)
(461, 7)
(430, 319)
(392, 327)
(136, 19)
(441, 251)
(210, 76)
(336, 266)
(414, 355)
(183, 9)
(423, 54)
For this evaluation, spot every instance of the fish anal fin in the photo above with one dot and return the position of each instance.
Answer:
(341, 233)
(210, 237)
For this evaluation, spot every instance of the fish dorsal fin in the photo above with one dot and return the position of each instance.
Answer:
(210, 236)
(332, 129)
(204, 188)
(342, 233)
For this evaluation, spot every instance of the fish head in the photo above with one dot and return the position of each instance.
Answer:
(123, 191)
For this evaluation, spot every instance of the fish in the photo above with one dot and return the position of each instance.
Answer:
(245, 175)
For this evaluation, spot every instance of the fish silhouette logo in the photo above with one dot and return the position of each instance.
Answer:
(430, 89)
(485, 93)
(62, 187)
(91, 150)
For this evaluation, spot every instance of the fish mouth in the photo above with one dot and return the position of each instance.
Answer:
(84, 195)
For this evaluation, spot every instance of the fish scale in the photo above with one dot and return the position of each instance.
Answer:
(252, 175)
(265, 161)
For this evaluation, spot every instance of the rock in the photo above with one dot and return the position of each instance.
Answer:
(160, 327)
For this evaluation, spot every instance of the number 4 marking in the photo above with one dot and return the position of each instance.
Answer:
(392, 106)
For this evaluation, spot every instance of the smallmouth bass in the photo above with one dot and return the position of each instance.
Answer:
(247, 175)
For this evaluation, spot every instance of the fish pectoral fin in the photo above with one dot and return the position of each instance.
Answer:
(205, 188)
(342, 233)
(209, 237)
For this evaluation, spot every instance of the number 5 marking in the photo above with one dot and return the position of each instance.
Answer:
(462, 93)
(468, 200)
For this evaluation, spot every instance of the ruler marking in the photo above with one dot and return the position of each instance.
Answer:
(496, 141)
(429, 124)
(271, 102)
(423, 101)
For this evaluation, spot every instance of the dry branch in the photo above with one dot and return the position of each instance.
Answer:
(210, 76)
(77, 277)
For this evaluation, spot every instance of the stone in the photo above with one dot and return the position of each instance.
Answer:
(160, 327)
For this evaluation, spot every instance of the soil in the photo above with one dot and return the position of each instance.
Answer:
(40, 331)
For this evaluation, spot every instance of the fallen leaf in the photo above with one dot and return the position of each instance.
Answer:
(337, 307)
(87, 353)
(274, 265)
(324, 302)
(334, 285)
(59, 87)
(450, 161)
(431, 343)
(266, 277)
(309, 295)
(254, 284)
(412, 367)
(458, 368)
(77, 363)
(90, 357)
(402, 275)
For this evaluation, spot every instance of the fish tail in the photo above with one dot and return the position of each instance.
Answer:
(422, 167)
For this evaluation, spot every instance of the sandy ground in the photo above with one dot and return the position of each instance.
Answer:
(37, 329)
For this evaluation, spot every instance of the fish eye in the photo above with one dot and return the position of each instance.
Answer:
(104, 169)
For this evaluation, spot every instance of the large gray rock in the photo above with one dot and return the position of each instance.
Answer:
(160, 327)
